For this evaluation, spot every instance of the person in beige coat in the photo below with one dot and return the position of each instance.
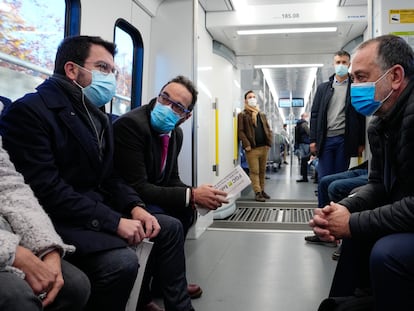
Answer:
(256, 137)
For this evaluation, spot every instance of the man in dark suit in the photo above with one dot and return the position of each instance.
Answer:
(153, 174)
(62, 143)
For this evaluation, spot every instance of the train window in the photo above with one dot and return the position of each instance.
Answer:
(30, 31)
(129, 60)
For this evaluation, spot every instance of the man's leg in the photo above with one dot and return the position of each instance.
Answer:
(341, 188)
(352, 270)
(324, 184)
(16, 294)
(264, 153)
(167, 262)
(392, 272)
(253, 160)
(340, 161)
(326, 163)
(304, 167)
(304, 156)
(112, 274)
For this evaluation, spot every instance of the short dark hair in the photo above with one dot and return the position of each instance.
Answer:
(76, 49)
(343, 53)
(393, 50)
(188, 85)
(247, 93)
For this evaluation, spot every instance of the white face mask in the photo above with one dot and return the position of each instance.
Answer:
(252, 102)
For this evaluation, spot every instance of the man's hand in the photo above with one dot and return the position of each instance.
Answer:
(209, 197)
(312, 148)
(131, 230)
(151, 225)
(361, 150)
(42, 276)
(331, 222)
(338, 220)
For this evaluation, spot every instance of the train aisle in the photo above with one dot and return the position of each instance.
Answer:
(248, 268)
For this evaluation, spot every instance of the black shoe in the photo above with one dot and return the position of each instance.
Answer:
(265, 195)
(302, 180)
(314, 239)
(194, 291)
(259, 197)
(284, 162)
(336, 254)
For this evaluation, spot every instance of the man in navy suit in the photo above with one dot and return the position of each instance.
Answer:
(62, 143)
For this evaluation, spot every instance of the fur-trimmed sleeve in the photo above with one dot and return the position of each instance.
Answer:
(22, 211)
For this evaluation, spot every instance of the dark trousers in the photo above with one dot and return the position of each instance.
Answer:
(112, 274)
(166, 265)
(332, 159)
(337, 186)
(17, 295)
(386, 266)
(304, 167)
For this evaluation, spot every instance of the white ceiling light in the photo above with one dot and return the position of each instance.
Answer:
(288, 66)
(285, 30)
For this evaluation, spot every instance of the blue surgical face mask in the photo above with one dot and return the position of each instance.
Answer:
(102, 87)
(341, 70)
(363, 97)
(163, 118)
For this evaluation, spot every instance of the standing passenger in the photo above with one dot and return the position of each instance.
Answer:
(376, 223)
(337, 131)
(302, 145)
(62, 143)
(256, 138)
(286, 142)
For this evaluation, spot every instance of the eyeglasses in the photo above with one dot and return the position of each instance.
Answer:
(178, 108)
(105, 67)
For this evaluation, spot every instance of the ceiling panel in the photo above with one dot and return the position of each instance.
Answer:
(286, 48)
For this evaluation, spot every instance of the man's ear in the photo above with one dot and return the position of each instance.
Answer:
(398, 77)
(188, 116)
(182, 120)
(71, 70)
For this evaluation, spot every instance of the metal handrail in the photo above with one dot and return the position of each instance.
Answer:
(25, 64)
(22, 63)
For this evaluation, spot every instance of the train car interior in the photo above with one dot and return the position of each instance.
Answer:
(246, 255)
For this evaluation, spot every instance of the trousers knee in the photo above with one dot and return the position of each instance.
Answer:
(16, 294)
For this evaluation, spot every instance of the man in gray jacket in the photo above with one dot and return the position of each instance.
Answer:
(32, 274)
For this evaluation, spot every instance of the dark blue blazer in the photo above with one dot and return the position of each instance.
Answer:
(354, 121)
(57, 154)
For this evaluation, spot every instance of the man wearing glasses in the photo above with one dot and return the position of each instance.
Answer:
(147, 143)
(62, 143)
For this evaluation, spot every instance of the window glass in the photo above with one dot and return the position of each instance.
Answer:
(124, 62)
(30, 32)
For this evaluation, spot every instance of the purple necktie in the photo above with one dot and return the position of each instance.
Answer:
(164, 149)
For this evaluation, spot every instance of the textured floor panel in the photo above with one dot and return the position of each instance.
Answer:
(267, 217)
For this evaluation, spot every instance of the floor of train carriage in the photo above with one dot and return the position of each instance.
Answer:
(247, 267)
